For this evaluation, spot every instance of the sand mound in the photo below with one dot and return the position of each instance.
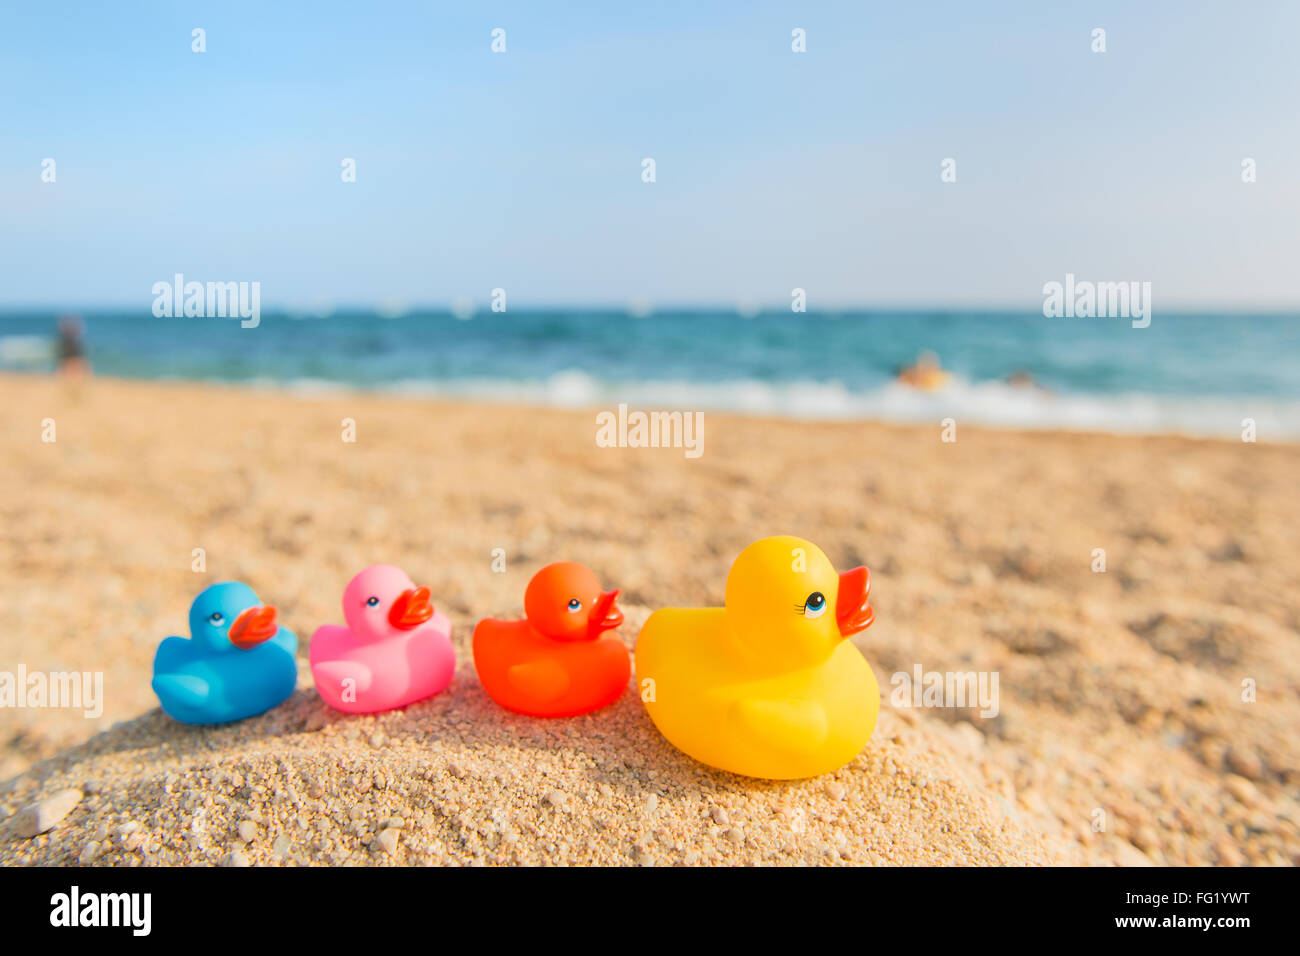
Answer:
(458, 780)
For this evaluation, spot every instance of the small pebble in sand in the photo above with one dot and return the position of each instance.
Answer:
(126, 829)
(45, 814)
(1228, 854)
(1241, 789)
(1128, 855)
(968, 737)
(735, 835)
(88, 853)
(719, 815)
(1146, 839)
(1246, 763)
(248, 831)
(555, 798)
(835, 790)
(234, 858)
(387, 840)
(280, 847)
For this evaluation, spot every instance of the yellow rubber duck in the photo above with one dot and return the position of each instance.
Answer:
(766, 686)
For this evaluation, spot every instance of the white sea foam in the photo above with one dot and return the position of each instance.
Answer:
(982, 403)
(25, 351)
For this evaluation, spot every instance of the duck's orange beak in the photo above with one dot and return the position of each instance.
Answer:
(411, 609)
(852, 609)
(604, 616)
(252, 626)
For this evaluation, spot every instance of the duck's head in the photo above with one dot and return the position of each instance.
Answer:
(383, 602)
(228, 616)
(789, 608)
(564, 601)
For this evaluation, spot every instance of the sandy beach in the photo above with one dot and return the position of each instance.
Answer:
(1146, 714)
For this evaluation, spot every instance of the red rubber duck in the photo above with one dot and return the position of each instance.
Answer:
(558, 662)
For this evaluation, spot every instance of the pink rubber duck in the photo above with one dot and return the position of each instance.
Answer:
(395, 650)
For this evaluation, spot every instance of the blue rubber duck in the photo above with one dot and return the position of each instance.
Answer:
(237, 662)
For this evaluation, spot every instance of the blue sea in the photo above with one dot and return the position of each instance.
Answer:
(1198, 374)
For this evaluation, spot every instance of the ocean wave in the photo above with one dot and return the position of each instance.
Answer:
(981, 403)
(987, 403)
(25, 351)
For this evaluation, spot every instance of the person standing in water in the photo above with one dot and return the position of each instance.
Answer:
(925, 373)
(72, 347)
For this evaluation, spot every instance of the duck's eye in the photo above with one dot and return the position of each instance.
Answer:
(815, 606)
(372, 601)
(574, 605)
(215, 618)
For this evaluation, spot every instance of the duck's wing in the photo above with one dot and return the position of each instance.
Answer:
(789, 725)
(541, 680)
(182, 691)
(333, 674)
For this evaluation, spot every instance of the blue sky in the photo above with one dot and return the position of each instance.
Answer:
(774, 170)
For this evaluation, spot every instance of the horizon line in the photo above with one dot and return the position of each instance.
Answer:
(635, 308)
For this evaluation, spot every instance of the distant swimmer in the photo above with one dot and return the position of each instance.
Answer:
(72, 347)
(925, 373)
